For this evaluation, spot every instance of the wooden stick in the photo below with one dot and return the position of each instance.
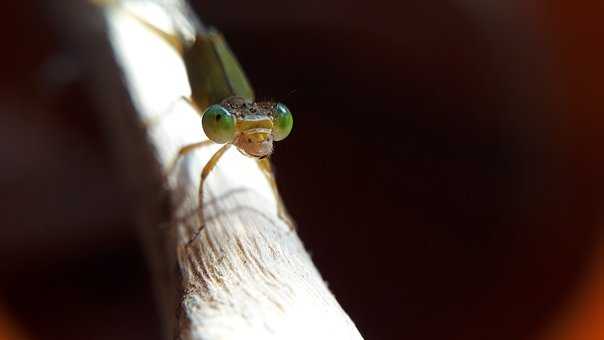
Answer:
(247, 275)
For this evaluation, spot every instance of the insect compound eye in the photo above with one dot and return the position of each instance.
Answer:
(283, 121)
(218, 124)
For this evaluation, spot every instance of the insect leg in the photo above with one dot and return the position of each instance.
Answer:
(267, 170)
(175, 40)
(151, 121)
(210, 165)
(184, 150)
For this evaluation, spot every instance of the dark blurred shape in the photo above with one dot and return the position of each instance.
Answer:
(443, 169)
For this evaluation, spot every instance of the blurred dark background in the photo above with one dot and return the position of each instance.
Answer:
(444, 169)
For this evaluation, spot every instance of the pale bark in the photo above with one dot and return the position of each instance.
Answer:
(247, 275)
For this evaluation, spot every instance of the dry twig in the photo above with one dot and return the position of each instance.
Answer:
(246, 275)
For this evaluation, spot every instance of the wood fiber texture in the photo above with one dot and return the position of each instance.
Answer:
(246, 275)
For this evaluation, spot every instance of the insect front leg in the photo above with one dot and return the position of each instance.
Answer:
(184, 150)
(152, 121)
(267, 170)
(210, 165)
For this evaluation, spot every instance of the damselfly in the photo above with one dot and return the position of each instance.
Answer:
(223, 96)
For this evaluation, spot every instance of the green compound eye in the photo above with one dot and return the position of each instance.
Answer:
(218, 124)
(283, 121)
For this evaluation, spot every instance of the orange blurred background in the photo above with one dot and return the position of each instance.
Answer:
(576, 32)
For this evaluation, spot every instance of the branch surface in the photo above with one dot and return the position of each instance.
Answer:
(246, 275)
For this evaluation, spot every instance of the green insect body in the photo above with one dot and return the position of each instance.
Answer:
(220, 88)
(214, 72)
